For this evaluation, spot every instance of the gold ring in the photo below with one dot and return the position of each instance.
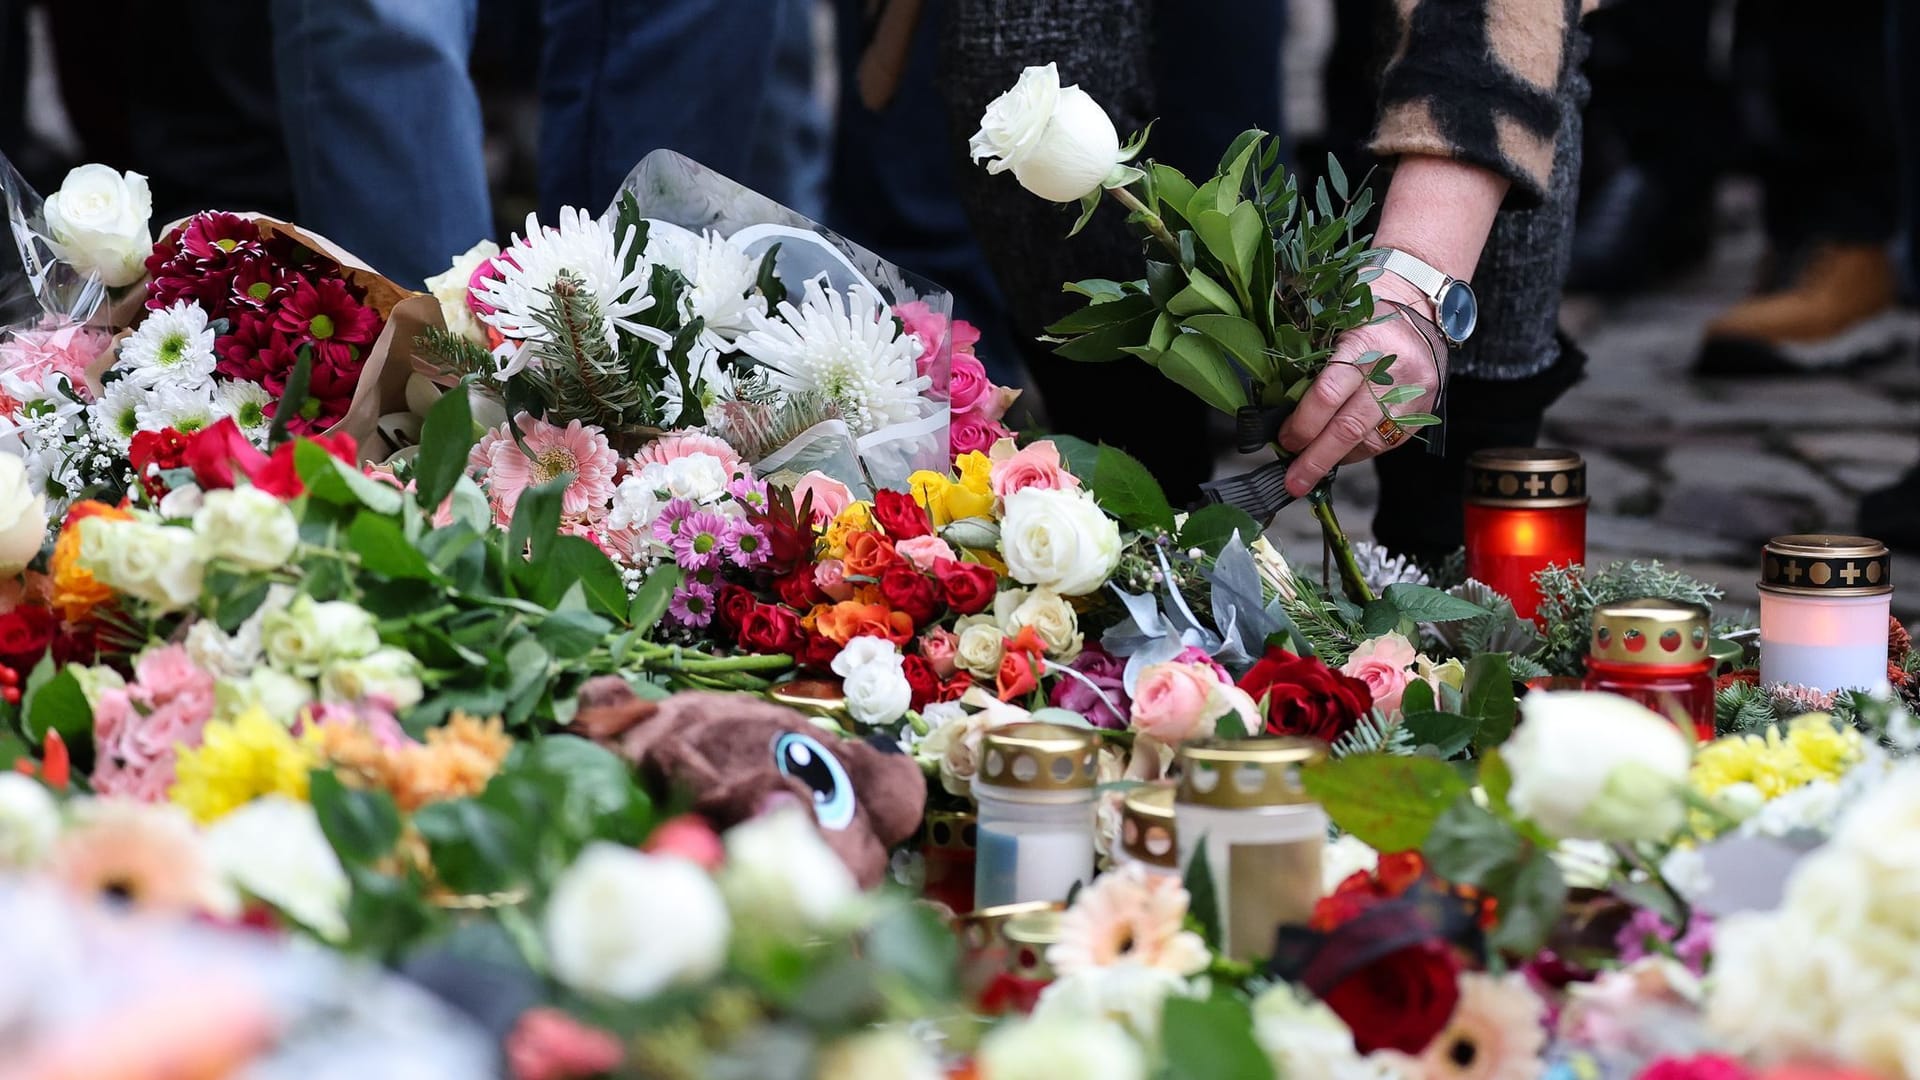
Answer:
(1390, 431)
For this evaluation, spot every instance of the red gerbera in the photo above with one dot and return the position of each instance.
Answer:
(325, 315)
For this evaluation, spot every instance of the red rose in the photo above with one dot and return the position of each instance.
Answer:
(967, 587)
(154, 452)
(908, 590)
(798, 589)
(768, 628)
(923, 680)
(1401, 1000)
(900, 516)
(731, 607)
(214, 452)
(1305, 697)
(25, 633)
(816, 653)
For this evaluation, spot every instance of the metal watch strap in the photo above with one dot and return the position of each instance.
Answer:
(1414, 271)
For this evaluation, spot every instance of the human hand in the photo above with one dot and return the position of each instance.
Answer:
(1340, 419)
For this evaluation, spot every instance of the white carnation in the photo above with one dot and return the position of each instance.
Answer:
(873, 680)
(1598, 767)
(247, 527)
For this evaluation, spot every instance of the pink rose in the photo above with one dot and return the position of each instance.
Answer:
(924, 551)
(831, 576)
(1035, 466)
(689, 837)
(929, 326)
(830, 496)
(973, 432)
(547, 1044)
(1174, 702)
(994, 406)
(967, 384)
(1382, 664)
(939, 646)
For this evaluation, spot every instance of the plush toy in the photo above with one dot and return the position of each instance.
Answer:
(739, 756)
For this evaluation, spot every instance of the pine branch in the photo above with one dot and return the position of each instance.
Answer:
(1741, 708)
(1568, 595)
(454, 356)
(1375, 734)
(575, 370)
(1331, 636)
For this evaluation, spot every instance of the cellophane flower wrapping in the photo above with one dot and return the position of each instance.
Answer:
(821, 269)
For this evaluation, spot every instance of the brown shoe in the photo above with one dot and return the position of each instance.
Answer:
(1840, 311)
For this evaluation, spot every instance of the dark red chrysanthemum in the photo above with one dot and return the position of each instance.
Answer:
(325, 315)
(261, 284)
(256, 352)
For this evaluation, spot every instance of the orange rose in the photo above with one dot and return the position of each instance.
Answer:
(850, 619)
(869, 555)
(1020, 665)
(75, 592)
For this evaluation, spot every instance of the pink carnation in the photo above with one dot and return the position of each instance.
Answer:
(135, 747)
(576, 449)
(1382, 664)
(1037, 465)
(973, 432)
(678, 444)
(49, 349)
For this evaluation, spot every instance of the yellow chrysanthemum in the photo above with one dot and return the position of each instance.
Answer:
(1813, 748)
(240, 760)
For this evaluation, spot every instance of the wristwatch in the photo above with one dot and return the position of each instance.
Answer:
(1455, 309)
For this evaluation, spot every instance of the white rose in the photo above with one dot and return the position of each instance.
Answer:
(97, 222)
(629, 925)
(882, 1054)
(1058, 141)
(1061, 540)
(955, 742)
(1304, 1039)
(979, 645)
(1342, 858)
(1050, 616)
(386, 673)
(1061, 1049)
(160, 564)
(1130, 994)
(873, 681)
(306, 636)
(281, 695)
(449, 287)
(23, 517)
(1597, 766)
(29, 822)
(248, 527)
(272, 848)
(781, 877)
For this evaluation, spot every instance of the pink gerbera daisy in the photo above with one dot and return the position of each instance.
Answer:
(679, 444)
(1128, 916)
(551, 452)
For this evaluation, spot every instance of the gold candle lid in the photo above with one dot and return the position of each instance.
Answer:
(1821, 564)
(952, 830)
(1028, 937)
(1526, 477)
(1146, 826)
(1039, 757)
(1651, 631)
(1240, 773)
(982, 927)
(814, 697)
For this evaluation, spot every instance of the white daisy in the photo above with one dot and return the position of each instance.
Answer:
(247, 403)
(711, 384)
(173, 347)
(723, 280)
(586, 251)
(848, 348)
(181, 409)
(116, 416)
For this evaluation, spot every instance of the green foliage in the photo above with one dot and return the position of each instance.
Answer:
(1389, 802)
(1210, 527)
(1568, 595)
(1203, 905)
(1741, 708)
(53, 701)
(454, 356)
(1129, 492)
(576, 371)
(1211, 1038)
(1374, 733)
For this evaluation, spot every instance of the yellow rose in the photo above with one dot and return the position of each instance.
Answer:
(930, 491)
(976, 472)
(857, 517)
(964, 502)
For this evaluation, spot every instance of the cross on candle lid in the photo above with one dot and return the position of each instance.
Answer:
(1526, 476)
(1821, 564)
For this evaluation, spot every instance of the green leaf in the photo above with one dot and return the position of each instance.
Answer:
(446, 439)
(599, 799)
(650, 601)
(1234, 172)
(1096, 289)
(385, 914)
(1080, 456)
(1389, 801)
(1379, 617)
(1418, 697)
(1469, 844)
(1202, 904)
(1104, 312)
(1210, 527)
(1338, 176)
(1238, 336)
(536, 517)
(329, 479)
(570, 635)
(476, 849)
(1202, 296)
(1089, 203)
(1221, 233)
(1125, 489)
(1197, 364)
(1531, 897)
(574, 562)
(1423, 603)
(1105, 344)
(914, 945)
(294, 399)
(1173, 186)
(1496, 780)
(54, 702)
(1487, 694)
(384, 549)
(362, 826)
(1210, 1039)
(1232, 725)
(1448, 733)
(1400, 395)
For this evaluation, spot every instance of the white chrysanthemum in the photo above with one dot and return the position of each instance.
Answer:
(116, 416)
(173, 347)
(722, 278)
(711, 384)
(583, 249)
(247, 403)
(180, 408)
(848, 348)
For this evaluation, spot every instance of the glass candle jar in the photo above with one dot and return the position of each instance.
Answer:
(1526, 510)
(1028, 938)
(1147, 832)
(1655, 652)
(984, 953)
(1824, 606)
(1035, 795)
(1242, 802)
(948, 855)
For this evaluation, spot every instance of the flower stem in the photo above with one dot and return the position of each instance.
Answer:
(1147, 217)
(1357, 588)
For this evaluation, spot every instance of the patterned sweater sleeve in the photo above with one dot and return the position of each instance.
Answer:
(1476, 80)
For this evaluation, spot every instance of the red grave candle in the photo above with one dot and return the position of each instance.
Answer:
(1526, 510)
(1655, 652)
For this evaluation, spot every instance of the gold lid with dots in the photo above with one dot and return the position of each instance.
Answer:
(1147, 826)
(1651, 631)
(1028, 937)
(1822, 564)
(1035, 756)
(952, 830)
(1240, 773)
(1526, 477)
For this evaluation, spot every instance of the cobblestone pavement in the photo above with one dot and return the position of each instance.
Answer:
(1699, 473)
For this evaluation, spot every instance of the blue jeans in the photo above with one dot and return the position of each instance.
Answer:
(383, 128)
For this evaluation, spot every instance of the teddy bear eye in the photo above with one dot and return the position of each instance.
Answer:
(803, 758)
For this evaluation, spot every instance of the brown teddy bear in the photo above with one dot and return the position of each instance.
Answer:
(740, 756)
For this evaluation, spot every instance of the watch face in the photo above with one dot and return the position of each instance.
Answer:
(1459, 312)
